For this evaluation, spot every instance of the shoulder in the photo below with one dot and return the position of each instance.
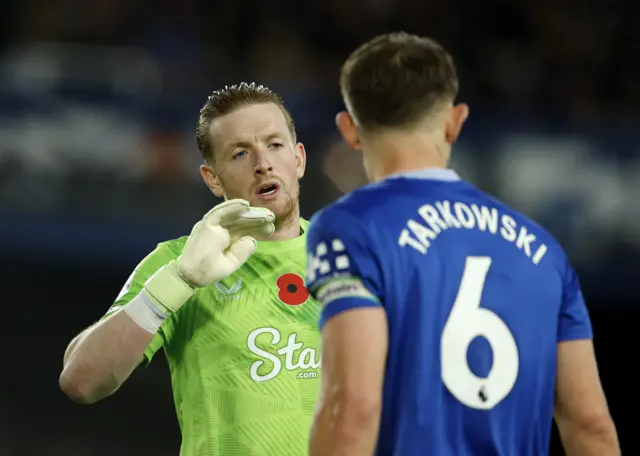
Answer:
(336, 226)
(362, 214)
(524, 220)
(362, 199)
(164, 252)
(525, 227)
(351, 206)
(173, 247)
(371, 203)
(335, 217)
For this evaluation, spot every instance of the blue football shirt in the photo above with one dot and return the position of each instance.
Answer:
(477, 298)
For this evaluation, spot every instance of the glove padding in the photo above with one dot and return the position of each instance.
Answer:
(218, 245)
(222, 241)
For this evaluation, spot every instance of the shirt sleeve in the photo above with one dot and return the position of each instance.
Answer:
(343, 272)
(159, 257)
(574, 322)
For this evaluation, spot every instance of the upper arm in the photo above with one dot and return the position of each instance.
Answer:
(343, 269)
(159, 257)
(354, 353)
(574, 322)
(579, 395)
(344, 275)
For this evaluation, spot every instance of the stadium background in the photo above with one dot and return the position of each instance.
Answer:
(98, 102)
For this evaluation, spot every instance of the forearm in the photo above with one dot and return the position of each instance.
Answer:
(344, 431)
(580, 440)
(101, 358)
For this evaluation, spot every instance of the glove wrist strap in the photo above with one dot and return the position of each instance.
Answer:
(145, 313)
(167, 289)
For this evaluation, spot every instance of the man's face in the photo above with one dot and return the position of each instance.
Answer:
(256, 159)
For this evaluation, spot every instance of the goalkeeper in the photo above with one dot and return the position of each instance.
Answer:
(227, 303)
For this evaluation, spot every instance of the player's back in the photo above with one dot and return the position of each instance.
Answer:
(473, 292)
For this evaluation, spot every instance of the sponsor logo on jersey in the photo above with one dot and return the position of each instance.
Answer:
(230, 292)
(292, 357)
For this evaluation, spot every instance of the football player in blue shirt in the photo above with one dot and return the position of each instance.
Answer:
(452, 325)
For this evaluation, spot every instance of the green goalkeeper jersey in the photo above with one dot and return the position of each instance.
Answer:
(243, 354)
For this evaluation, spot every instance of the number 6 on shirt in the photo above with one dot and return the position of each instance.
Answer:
(467, 321)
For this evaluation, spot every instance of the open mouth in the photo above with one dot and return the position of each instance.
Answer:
(267, 190)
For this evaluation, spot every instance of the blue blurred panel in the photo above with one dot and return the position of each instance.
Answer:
(57, 241)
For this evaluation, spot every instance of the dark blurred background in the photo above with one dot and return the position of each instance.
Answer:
(98, 103)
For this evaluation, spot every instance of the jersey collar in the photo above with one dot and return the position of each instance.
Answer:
(280, 247)
(439, 174)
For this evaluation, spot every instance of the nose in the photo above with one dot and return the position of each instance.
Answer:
(263, 165)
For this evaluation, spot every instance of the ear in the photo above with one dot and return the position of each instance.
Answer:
(348, 129)
(301, 159)
(455, 119)
(210, 178)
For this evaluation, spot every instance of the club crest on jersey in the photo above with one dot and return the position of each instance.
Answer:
(230, 292)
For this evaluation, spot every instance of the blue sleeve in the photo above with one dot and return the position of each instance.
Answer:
(343, 271)
(574, 322)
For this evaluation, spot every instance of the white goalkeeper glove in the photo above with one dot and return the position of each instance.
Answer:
(218, 245)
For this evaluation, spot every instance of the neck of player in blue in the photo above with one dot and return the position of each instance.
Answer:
(441, 174)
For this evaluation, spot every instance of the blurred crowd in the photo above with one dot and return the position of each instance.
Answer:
(573, 60)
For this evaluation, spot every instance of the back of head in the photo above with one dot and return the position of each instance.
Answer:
(396, 80)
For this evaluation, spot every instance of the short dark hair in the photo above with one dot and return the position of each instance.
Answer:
(395, 79)
(225, 101)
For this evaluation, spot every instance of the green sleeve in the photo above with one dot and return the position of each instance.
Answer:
(163, 254)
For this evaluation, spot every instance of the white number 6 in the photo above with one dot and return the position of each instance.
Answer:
(468, 320)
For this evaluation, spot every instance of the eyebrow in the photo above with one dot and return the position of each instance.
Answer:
(233, 145)
(246, 144)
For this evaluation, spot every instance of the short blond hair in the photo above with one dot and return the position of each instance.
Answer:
(227, 100)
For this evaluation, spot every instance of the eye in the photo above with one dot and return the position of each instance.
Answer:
(276, 145)
(239, 154)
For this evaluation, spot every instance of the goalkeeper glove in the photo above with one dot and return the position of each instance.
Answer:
(218, 245)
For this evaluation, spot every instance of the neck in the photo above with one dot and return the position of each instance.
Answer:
(398, 152)
(287, 228)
